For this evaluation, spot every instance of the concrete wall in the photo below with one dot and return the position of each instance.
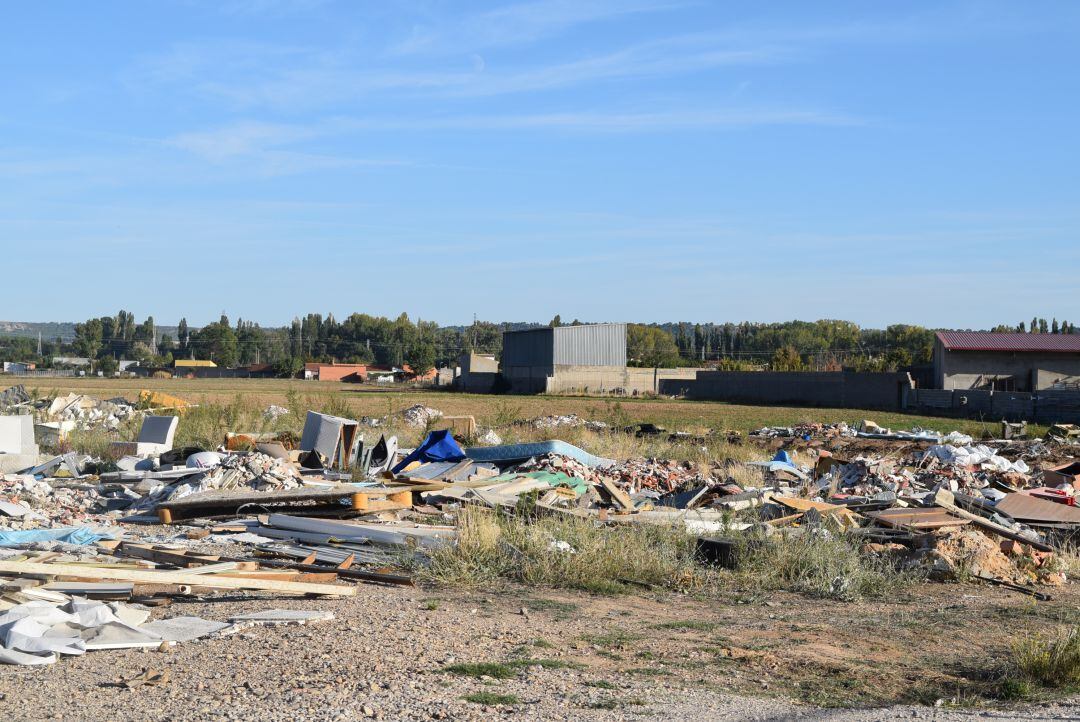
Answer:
(477, 382)
(831, 388)
(477, 363)
(1047, 407)
(1030, 371)
(612, 380)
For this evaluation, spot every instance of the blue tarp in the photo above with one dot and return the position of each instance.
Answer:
(438, 446)
(521, 452)
(69, 535)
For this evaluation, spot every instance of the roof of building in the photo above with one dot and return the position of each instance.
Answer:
(1017, 342)
(563, 326)
(316, 365)
(194, 363)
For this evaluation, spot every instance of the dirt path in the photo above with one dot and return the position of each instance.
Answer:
(643, 657)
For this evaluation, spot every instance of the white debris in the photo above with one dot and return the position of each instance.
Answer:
(489, 438)
(419, 416)
(275, 412)
(979, 456)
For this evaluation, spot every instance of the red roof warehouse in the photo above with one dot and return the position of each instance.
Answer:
(1006, 361)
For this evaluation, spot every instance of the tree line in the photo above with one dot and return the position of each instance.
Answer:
(422, 345)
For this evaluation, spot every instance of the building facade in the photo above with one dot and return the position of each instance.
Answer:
(1006, 361)
(533, 359)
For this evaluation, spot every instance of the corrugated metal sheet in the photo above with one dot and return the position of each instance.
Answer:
(602, 344)
(595, 345)
(533, 347)
(1029, 342)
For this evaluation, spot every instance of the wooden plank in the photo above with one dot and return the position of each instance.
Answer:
(945, 499)
(178, 557)
(175, 578)
(934, 518)
(800, 504)
(617, 495)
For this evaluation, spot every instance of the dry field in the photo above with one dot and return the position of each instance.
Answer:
(370, 400)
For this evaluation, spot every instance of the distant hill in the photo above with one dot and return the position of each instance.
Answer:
(51, 329)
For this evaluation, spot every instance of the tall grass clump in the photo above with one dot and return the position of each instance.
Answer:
(816, 563)
(1050, 659)
(563, 551)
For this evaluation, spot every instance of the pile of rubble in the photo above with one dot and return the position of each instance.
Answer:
(88, 412)
(564, 421)
(420, 416)
(252, 470)
(30, 503)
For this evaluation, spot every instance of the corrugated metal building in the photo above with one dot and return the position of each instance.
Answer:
(532, 359)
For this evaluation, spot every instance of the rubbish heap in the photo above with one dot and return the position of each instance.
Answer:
(87, 412)
(308, 515)
(420, 416)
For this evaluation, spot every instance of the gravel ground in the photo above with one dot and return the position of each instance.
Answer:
(383, 656)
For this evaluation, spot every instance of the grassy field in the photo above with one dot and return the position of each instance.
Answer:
(498, 411)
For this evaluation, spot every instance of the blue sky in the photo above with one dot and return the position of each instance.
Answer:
(602, 159)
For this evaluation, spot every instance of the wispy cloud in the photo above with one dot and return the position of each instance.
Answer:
(669, 56)
(250, 139)
(269, 148)
(628, 122)
(246, 75)
(241, 139)
(518, 24)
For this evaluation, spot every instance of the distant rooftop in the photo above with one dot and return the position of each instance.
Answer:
(1025, 342)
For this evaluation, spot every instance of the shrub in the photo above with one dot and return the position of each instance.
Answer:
(1049, 660)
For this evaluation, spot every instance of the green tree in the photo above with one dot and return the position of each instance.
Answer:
(650, 347)
(421, 357)
(182, 335)
(88, 338)
(217, 342)
(288, 366)
(108, 365)
(787, 359)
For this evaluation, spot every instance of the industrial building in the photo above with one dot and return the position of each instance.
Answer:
(532, 358)
(1006, 361)
(588, 359)
(476, 373)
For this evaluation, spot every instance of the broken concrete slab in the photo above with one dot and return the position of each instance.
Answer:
(17, 447)
(184, 629)
(155, 437)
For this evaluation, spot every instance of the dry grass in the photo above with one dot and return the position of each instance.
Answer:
(367, 400)
(1051, 659)
(601, 559)
(816, 563)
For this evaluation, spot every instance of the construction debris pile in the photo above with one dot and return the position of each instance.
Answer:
(328, 508)
(564, 421)
(420, 416)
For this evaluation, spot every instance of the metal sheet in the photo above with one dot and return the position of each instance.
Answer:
(1027, 508)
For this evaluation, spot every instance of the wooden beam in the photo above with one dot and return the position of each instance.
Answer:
(175, 578)
(945, 499)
